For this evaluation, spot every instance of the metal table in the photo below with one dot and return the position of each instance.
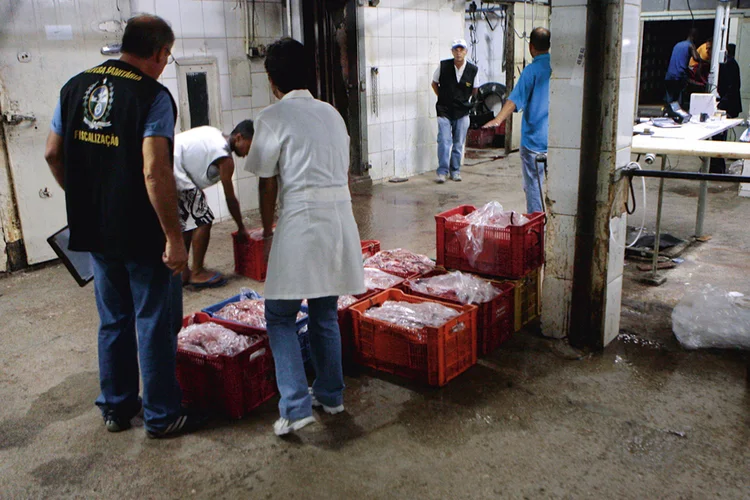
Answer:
(687, 140)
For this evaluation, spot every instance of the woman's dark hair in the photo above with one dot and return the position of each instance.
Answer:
(145, 35)
(286, 65)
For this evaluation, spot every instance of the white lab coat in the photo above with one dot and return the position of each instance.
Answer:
(316, 248)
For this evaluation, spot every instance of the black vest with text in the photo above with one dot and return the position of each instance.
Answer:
(104, 111)
(453, 96)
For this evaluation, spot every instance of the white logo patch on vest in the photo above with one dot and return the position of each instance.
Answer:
(97, 104)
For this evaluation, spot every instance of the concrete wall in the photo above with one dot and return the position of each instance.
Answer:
(210, 28)
(566, 101)
(405, 40)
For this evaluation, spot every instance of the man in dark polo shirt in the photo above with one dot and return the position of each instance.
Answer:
(110, 149)
(453, 84)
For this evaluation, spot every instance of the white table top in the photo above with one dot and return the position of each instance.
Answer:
(643, 144)
(691, 131)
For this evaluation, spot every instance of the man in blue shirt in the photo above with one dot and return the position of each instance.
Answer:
(676, 78)
(531, 94)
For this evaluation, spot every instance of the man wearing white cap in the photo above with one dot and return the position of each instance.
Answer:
(453, 83)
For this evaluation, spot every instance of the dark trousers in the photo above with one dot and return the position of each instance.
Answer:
(674, 90)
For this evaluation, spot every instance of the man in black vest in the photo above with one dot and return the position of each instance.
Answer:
(453, 83)
(110, 149)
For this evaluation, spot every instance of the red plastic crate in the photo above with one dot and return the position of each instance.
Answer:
(229, 385)
(510, 252)
(346, 327)
(248, 258)
(431, 355)
(370, 248)
(495, 319)
(492, 137)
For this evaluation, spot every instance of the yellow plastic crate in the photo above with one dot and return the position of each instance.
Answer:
(528, 298)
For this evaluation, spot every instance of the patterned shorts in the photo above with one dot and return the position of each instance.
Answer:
(194, 209)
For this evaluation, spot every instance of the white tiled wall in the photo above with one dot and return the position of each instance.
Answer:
(213, 28)
(405, 40)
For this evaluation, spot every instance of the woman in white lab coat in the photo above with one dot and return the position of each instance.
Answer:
(301, 151)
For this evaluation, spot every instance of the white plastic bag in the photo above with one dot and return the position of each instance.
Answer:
(712, 318)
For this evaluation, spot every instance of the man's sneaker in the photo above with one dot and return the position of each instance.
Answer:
(440, 179)
(331, 410)
(115, 423)
(183, 424)
(456, 177)
(284, 426)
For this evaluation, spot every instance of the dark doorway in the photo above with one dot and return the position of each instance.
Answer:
(659, 37)
(330, 37)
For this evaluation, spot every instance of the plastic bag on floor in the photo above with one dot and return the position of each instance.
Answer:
(456, 286)
(492, 215)
(736, 167)
(712, 318)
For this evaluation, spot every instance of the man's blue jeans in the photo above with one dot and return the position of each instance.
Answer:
(138, 295)
(325, 352)
(451, 139)
(531, 172)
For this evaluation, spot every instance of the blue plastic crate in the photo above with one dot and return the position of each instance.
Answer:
(302, 332)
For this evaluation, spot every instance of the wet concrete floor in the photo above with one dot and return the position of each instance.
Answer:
(643, 419)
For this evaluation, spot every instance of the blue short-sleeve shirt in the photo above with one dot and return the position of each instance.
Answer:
(678, 63)
(531, 95)
(159, 122)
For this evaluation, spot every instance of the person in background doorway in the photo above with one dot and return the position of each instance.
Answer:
(531, 94)
(110, 149)
(202, 158)
(301, 152)
(453, 84)
(729, 99)
(676, 78)
(730, 84)
(699, 70)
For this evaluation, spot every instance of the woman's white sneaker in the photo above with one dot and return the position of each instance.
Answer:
(331, 410)
(284, 426)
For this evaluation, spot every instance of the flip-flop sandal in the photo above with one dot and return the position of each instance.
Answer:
(217, 280)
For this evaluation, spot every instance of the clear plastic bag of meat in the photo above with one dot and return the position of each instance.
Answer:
(346, 301)
(375, 279)
(249, 310)
(492, 215)
(412, 316)
(210, 338)
(400, 262)
(456, 286)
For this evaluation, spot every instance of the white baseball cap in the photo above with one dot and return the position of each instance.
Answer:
(458, 42)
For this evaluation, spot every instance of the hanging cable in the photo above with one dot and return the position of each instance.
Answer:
(643, 219)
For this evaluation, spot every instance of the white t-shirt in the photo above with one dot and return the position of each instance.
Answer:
(459, 72)
(316, 249)
(195, 151)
